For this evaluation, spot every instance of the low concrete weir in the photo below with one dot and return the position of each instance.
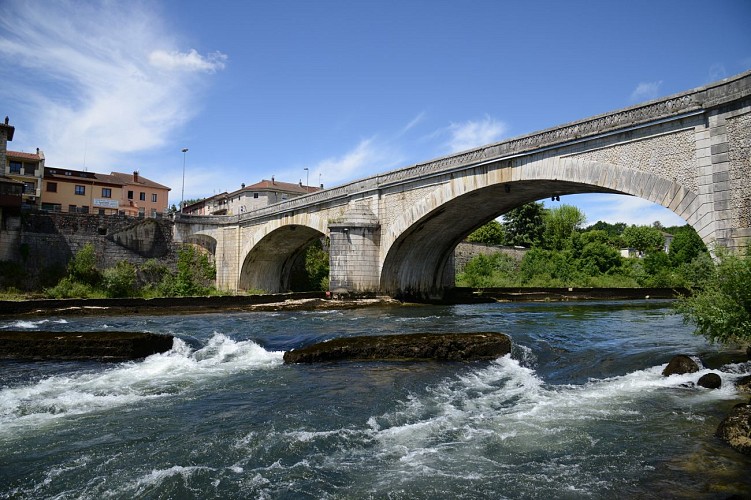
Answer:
(395, 233)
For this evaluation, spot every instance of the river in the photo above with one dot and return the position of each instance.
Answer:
(578, 410)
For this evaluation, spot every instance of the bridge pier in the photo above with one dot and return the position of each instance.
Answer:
(354, 250)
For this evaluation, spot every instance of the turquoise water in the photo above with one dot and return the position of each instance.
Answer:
(578, 410)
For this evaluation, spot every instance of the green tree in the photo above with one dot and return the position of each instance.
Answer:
(491, 233)
(317, 266)
(194, 276)
(646, 239)
(82, 267)
(524, 225)
(560, 224)
(686, 246)
(721, 310)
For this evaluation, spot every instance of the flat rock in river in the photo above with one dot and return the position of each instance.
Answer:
(104, 346)
(420, 346)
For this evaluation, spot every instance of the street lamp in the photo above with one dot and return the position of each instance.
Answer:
(307, 180)
(182, 194)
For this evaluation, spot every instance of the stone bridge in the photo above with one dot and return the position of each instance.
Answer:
(395, 232)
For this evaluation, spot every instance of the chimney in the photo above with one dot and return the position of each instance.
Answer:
(242, 186)
(272, 180)
(135, 176)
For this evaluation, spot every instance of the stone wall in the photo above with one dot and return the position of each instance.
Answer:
(466, 251)
(43, 244)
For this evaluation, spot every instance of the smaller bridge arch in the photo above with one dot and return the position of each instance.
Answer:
(273, 252)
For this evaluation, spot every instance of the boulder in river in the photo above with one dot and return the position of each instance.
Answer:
(710, 381)
(103, 346)
(743, 384)
(421, 346)
(735, 429)
(680, 365)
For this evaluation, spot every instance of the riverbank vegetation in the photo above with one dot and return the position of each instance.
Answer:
(194, 275)
(562, 253)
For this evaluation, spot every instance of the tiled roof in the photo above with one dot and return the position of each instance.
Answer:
(23, 156)
(274, 185)
(142, 181)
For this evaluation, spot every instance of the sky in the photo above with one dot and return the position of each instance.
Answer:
(345, 89)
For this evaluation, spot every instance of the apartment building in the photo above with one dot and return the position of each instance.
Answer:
(26, 168)
(248, 198)
(148, 197)
(77, 191)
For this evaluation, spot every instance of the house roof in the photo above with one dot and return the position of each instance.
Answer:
(23, 156)
(274, 185)
(130, 179)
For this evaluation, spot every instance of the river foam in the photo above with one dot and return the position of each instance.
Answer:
(160, 375)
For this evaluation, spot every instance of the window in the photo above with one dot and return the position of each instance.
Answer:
(106, 193)
(153, 198)
(153, 212)
(51, 207)
(142, 196)
(52, 187)
(84, 209)
(72, 209)
(15, 167)
(130, 195)
(255, 195)
(81, 190)
(29, 188)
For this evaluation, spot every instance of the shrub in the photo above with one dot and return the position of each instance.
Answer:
(120, 281)
(721, 310)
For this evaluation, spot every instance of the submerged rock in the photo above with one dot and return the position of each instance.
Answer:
(422, 346)
(743, 384)
(710, 381)
(680, 365)
(104, 346)
(735, 429)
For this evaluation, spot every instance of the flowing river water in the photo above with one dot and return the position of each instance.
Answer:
(578, 410)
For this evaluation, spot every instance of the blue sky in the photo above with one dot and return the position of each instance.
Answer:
(344, 88)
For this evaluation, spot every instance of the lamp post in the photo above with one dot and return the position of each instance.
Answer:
(307, 180)
(182, 194)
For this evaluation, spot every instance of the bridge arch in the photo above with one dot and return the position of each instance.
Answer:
(272, 252)
(204, 241)
(419, 244)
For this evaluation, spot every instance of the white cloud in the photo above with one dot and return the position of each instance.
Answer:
(471, 134)
(190, 61)
(90, 83)
(365, 159)
(646, 91)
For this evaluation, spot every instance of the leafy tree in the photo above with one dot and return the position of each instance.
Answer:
(560, 224)
(643, 238)
(317, 266)
(612, 230)
(721, 310)
(524, 225)
(686, 246)
(82, 267)
(194, 276)
(491, 233)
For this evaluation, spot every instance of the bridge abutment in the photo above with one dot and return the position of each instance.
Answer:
(355, 241)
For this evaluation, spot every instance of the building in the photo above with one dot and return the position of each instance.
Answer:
(76, 191)
(147, 196)
(249, 198)
(26, 168)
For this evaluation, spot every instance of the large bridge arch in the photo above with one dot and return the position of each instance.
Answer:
(204, 241)
(420, 242)
(270, 253)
